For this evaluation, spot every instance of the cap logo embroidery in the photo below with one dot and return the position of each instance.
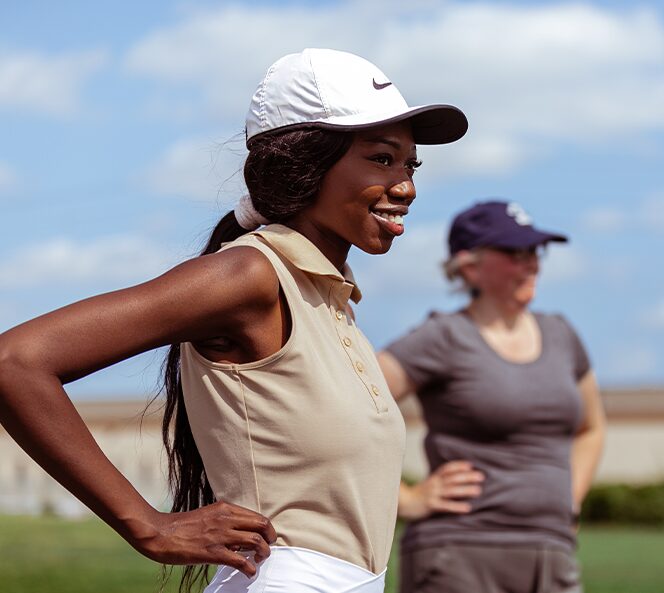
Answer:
(379, 86)
(519, 215)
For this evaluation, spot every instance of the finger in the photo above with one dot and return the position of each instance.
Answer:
(248, 541)
(464, 477)
(257, 524)
(451, 506)
(461, 491)
(238, 560)
(460, 465)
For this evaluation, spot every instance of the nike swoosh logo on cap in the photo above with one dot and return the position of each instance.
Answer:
(381, 85)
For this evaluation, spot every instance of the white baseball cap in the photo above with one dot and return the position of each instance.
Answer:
(338, 90)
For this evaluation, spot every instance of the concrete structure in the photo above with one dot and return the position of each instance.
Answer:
(634, 450)
(130, 440)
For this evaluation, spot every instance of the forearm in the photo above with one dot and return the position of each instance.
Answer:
(586, 452)
(398, 381)
(36, 412)
(589, 441)
(410, 508)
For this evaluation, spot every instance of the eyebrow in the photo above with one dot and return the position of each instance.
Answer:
(390, 142)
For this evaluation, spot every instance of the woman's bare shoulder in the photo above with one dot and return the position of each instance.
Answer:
(243, 274)
(199, 299)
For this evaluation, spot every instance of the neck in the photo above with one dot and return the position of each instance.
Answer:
(330, 245)
(488, 312)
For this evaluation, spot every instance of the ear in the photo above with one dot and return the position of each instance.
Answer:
(468, 269)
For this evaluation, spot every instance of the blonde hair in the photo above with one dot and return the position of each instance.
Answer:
(452, 266)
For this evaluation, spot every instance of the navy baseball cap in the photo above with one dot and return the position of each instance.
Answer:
(496, 224)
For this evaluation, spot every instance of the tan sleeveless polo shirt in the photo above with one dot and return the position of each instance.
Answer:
(310, 436)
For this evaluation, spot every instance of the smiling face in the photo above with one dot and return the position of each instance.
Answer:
(365, 195)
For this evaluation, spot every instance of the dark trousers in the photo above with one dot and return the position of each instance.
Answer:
(460, 568)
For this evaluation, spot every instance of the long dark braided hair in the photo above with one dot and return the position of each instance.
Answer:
(283, 173)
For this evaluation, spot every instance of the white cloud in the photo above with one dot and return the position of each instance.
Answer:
(47, 84)
(630, 362)
(8, 178)
(645, 215)
(199, 169)
(8, 314)
(563, 265)
(618, 270)
(475, 154)
(411, 267)
(526, 76)
(120, 260)
(605, 219)
(651, 212)
(654, 317)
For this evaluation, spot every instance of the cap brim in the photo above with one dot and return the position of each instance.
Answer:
(529, 237)
(431, 124)
(438, 124)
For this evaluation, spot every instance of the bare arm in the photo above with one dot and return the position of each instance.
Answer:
(198, 300)
(449, 488)
(589, 440)
(398, 381)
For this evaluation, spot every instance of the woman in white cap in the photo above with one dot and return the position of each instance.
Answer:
(284, 443)
(514, 419)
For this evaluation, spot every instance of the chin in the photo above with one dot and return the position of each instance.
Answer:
(378, 247)
(525, 297)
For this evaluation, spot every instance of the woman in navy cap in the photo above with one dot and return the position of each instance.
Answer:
(515, 423)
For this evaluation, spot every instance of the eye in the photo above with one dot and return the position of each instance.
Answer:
(383, 159)
(412, 165)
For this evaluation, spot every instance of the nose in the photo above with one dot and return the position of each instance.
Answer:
(532, 262)
(403, 191)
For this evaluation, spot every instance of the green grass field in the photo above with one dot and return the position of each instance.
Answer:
(50, 555)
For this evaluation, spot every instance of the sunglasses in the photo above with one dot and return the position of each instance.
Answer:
(521, 254)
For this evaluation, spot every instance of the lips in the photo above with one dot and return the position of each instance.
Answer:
(390, 219)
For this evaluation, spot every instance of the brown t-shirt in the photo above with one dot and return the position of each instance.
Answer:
(514, 421)
(309, 436)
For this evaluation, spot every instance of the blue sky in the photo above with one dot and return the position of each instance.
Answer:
(121, 137)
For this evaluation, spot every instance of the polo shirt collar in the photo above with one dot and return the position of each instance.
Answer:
(304, 255)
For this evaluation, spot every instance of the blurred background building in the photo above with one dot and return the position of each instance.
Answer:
(634, 451)
(130, 440)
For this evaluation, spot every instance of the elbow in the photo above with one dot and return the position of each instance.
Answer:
(15, 360)
(6, 357)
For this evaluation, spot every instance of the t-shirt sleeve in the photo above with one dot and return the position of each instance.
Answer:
(423, 352)
(581, 360)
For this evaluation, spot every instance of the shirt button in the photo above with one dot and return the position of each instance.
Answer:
(340, 315)
(359, 366)
(375, 390)
(347, 342)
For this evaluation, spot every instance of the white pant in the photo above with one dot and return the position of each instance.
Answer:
(298, 570)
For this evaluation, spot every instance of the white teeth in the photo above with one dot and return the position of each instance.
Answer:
(396, 219)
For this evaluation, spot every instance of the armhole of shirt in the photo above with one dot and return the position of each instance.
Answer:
(287, 284)
(580, 357)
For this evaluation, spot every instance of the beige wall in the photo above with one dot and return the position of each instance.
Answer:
(634, 451)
